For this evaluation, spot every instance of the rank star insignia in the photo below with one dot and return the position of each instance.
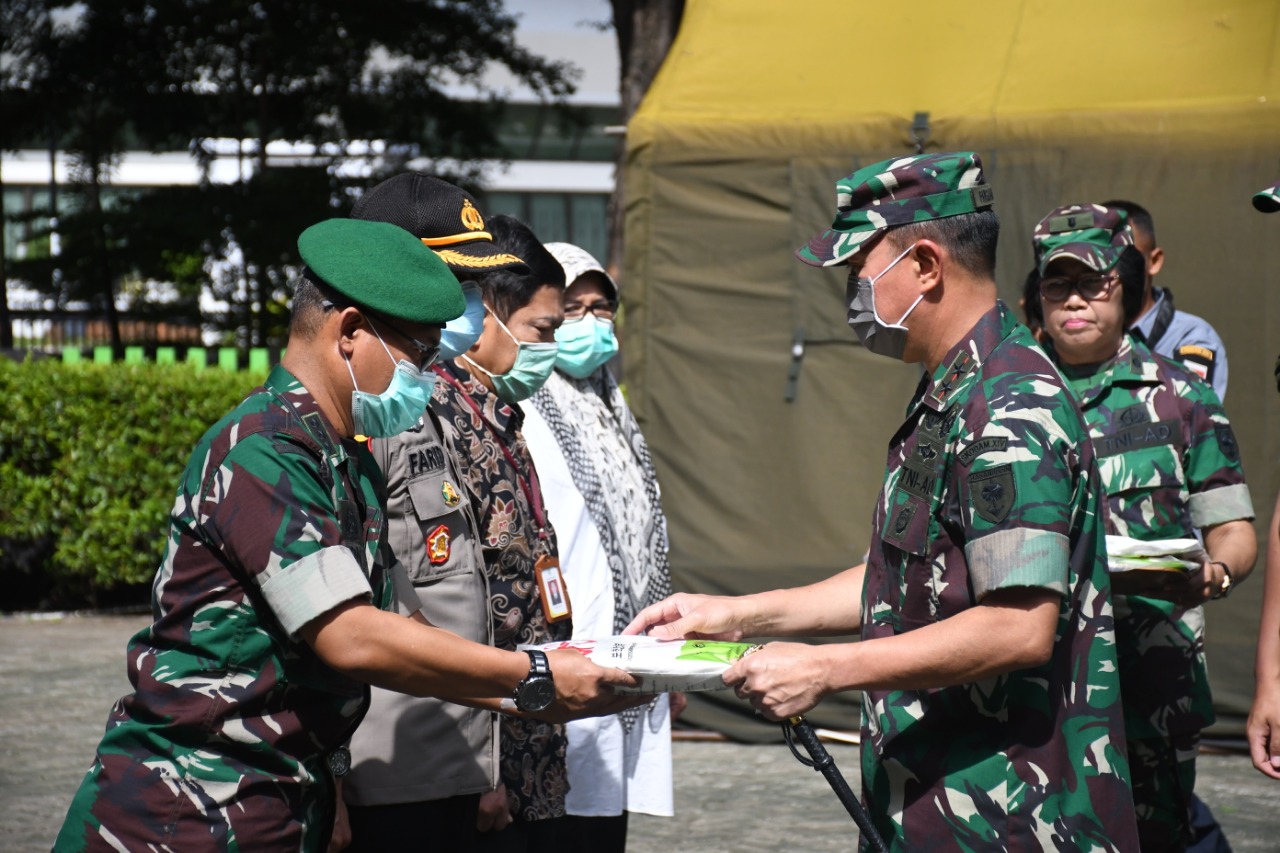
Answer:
(450, 494)
(956, 372)
(438, 545)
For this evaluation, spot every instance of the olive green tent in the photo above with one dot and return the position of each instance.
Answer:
(768, 422)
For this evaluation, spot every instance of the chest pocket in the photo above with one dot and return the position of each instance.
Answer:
(438, 505)
(1146, 491)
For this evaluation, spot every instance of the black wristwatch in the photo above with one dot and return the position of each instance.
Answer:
(340, 762)
(537, 690)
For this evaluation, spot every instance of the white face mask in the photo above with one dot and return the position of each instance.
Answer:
(879, 337)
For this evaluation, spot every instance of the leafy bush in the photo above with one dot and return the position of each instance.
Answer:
(90, 457)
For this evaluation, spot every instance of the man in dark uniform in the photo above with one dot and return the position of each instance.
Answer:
(272, 605)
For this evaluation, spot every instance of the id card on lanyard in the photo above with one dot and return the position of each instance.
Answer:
(552, 589)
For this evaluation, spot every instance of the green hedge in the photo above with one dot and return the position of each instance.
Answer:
(89, 462)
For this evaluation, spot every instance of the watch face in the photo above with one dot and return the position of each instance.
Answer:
(340, 761)
(536, 695)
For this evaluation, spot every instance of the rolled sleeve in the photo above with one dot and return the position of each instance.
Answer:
(1216, 506)
(314, 585)
(1018, 557)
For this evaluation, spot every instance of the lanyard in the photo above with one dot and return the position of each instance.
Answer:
(530, 486)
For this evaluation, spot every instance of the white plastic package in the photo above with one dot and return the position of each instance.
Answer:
(1125, 554)
(662, 666)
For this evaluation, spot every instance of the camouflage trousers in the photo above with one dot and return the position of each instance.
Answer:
(1164, 775)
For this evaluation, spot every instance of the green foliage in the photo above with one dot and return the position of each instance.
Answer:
(90, 455)
(99, 77)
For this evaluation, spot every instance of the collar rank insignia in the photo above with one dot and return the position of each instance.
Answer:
(960, 367)
(450, 494)
(438, 545)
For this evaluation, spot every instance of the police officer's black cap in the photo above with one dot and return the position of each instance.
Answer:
(383, 268)
(442, 216)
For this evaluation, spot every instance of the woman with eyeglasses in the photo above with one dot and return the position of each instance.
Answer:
(1171, 468)
(602, 496)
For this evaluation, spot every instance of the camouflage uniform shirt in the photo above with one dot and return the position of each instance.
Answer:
(1170, 465)
(990, 485)
(223, 743)
(531, 753)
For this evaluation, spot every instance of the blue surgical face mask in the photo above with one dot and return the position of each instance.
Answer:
(461, 334)
(534, 363)
(585, 345)
(395, 409)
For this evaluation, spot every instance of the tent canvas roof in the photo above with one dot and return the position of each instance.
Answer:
(768, 422)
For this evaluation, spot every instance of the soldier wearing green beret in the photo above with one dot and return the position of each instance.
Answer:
(279, 600)
(991, 706)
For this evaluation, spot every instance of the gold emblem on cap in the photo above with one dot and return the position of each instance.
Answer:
(471, 217)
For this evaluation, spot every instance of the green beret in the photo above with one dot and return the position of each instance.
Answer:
(383, 268)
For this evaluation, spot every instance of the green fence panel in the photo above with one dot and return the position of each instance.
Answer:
(103, 355)
(259, 360)
(71, 355)
(229, 359)
(134, 355)
(196, 358)
(166, 355)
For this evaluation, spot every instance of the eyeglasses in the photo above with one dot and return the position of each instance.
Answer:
(603, 308)
(427, 353)
(1090, 286)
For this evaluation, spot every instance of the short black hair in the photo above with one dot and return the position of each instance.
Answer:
(1131, 268)
(970, 239)
(1031, 307)
(307, 310)
(1139, 217)
(505, 291)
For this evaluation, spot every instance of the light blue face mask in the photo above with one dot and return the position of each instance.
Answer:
(585, 345)
(395, 409)
(461, 334)
(534, 363)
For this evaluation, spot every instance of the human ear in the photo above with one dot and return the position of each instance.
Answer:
(349, 322)
(928, 264)
(1155, 261)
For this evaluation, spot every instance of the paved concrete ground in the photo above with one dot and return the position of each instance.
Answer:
(58, 679)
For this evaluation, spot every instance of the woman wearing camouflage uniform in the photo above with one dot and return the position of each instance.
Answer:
(1171, 469)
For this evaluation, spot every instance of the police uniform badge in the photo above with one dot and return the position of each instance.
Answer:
(450, 494)
(438, 545)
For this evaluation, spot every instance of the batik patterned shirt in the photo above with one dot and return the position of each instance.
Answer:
(991, 485)
(223, 743)
(531, 752)
(1170, 466)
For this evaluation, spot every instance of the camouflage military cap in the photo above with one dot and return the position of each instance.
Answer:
(1090, 233)
(1268, 200)
(898, 192)
(382, 267)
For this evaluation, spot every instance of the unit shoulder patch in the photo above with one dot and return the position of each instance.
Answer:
(990, 444)
(993, 492)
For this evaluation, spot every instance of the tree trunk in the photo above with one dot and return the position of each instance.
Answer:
(645, 30)
(6, 322)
